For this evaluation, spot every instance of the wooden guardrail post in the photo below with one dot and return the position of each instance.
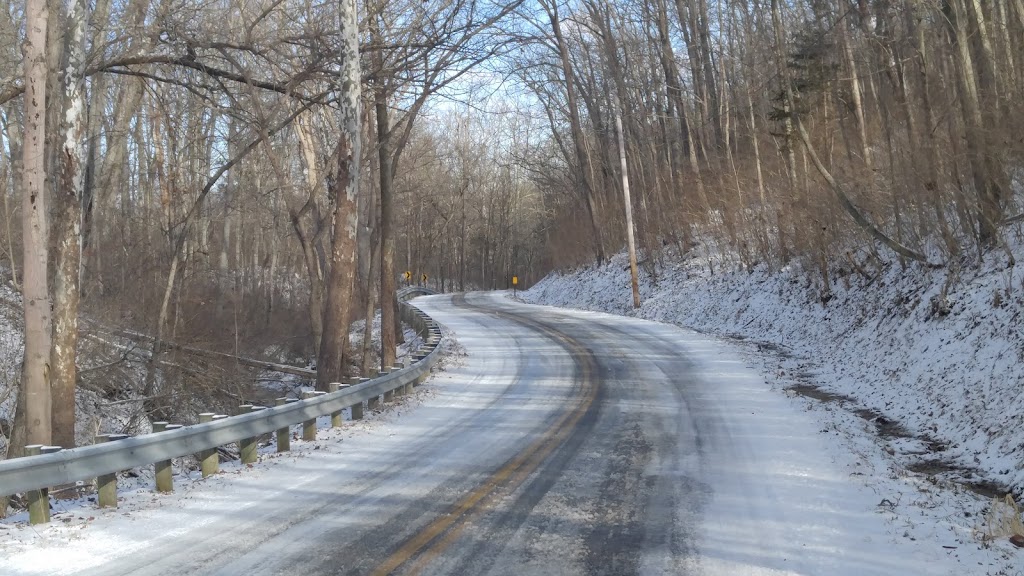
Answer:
(375, 402)
(336, 416)
(357, 408)
(406, 363)
(400, 391)
(106, 485)
(247, 446)
(389, 396)
(419, 356)
(162, 469)
(309, 426)
(284, 435)
(45, 491)
(209, 459)
(38, 500)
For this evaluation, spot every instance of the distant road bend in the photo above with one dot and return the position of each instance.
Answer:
(561, 443)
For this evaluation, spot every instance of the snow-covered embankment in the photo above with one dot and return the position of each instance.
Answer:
(952, 374)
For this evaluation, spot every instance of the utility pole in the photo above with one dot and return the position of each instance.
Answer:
(629, 205)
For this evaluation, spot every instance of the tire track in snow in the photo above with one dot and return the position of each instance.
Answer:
(560, 442)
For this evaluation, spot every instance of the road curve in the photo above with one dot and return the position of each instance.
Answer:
(561, 443)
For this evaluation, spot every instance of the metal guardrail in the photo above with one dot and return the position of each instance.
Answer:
(410, 292)
(88, 462)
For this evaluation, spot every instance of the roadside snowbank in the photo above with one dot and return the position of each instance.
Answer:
(953, 379)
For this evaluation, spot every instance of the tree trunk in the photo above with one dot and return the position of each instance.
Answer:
(788, 148)
(344, 189)
(582, 158)
(112, 170)
(369, 356)
(14, 145)
(388, 334)
(855, 94)
(68, 230)
(308, 238)
(986, 184)
(34, 414)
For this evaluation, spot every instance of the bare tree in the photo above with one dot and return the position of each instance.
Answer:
(68, 230)
(33, 417)
(344, 187)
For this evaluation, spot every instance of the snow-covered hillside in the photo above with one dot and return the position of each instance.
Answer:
(946, 375)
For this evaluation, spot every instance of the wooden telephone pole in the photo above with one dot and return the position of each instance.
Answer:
(628, 202)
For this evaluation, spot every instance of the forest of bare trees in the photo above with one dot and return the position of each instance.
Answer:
(833, 133)
(252, 176)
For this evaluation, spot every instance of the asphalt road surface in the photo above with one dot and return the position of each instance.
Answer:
(559, 443)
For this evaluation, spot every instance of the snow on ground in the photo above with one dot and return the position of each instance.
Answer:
(86, 535)
(930, 404)
(789, 493)
(285, 384)
(905, 398)
(813, 495)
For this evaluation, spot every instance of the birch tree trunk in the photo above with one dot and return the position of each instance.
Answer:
(344, 189)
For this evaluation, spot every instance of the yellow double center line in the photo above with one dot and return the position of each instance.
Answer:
(437, 536)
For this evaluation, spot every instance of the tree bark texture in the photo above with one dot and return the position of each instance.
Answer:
(36, 296)
(68, 229)
(344, 189)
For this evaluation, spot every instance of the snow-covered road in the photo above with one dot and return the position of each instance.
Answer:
(565, 442)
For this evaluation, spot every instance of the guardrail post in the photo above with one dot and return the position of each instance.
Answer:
(357, 411)
(284, 435)
(375, 402)
(38, 500)
(247, 446)
(357, 408)
(309, 426)
(406, 363)
(106, 484)
(45, 491)
(336, 417)
(420, 355)
(210, 458)
(162, 469)
(389, 396)
(400, 391)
